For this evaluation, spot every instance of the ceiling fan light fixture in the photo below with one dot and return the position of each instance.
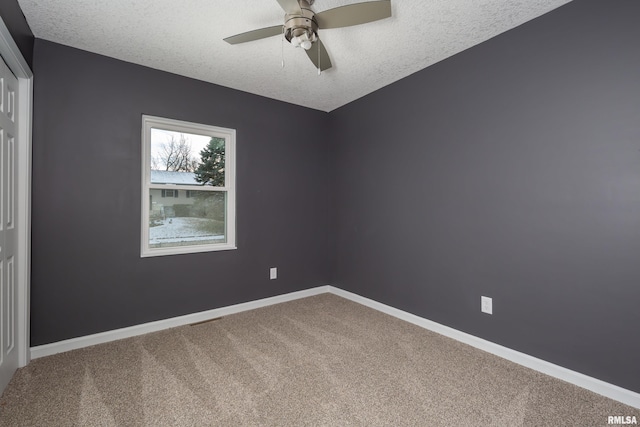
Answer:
(301, 28)
(303, 40)
(301, 25)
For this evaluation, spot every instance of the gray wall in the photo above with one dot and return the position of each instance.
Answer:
(17, 25)
(511, 170)
(87, 273)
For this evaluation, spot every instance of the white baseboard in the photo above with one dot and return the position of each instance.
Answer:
(611, 391)
(145, 328)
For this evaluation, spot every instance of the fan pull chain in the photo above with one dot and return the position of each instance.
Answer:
(319, 69)
(282, 46)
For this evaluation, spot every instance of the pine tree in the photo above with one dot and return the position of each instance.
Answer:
(210, 171)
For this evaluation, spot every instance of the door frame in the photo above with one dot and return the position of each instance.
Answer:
(17, 64)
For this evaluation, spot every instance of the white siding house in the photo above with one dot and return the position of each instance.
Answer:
(162, 201)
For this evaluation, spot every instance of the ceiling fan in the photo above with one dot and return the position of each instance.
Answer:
(301, 25)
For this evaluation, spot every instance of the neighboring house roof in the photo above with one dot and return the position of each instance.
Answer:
(169, 177)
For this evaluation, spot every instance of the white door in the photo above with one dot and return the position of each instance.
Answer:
(8, 234)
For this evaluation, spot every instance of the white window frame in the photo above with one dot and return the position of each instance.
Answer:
(229, 135)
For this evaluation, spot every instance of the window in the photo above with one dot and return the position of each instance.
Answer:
(170, 193)
(188, 187)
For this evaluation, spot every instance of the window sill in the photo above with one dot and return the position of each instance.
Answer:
(146, 253)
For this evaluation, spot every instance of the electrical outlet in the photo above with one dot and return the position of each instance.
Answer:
(273, 273)
(486, 305)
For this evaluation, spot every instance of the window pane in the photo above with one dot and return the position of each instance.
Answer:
(197, 220)
(180, 158)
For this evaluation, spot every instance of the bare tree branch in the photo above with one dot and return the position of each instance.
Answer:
(175, 155)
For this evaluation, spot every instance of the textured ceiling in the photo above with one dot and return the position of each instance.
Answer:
(185, 37)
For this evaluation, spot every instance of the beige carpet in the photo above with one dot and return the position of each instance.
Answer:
(319, 361)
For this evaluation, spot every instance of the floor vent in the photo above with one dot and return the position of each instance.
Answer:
(205, 321)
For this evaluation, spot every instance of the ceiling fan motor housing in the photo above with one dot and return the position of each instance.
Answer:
(301, 29)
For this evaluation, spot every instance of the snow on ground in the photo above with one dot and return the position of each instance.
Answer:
(175, 230)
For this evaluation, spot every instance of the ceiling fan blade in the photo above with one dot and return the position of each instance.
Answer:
(325, 61)
(354, 14)
(290, 6)
(250, 36)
